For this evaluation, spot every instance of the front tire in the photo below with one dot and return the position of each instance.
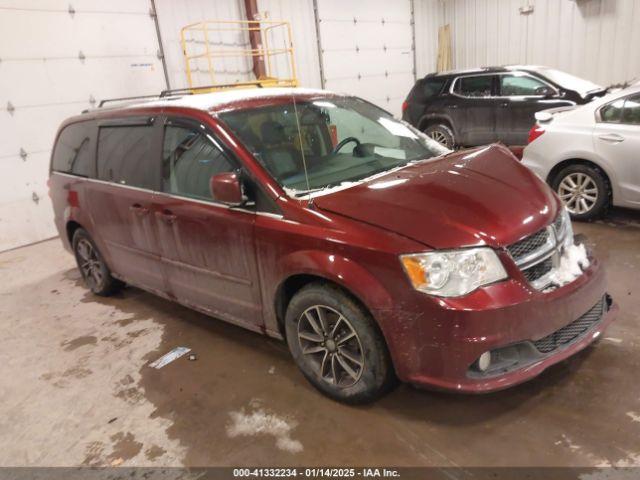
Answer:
(584, 190)
(337, 345)
(442, 134)
(95, 273)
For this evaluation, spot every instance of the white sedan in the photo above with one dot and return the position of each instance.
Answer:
(590, 154)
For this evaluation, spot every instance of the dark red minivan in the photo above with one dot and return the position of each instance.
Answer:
(319, 218)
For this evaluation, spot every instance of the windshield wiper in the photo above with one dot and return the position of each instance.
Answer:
(299, 193)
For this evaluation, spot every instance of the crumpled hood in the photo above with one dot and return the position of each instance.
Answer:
(474, 197)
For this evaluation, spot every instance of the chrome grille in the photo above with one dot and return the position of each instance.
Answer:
(528, 245)
(538, 270)
(538, 254)
(571, 332)
(559, 224)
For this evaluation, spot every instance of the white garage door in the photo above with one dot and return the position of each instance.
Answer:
(369, 53)
(58, 58)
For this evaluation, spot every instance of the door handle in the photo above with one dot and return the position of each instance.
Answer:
(452, 106)
(504, 105)
(611, 137)
(166, 216)
(139, 209)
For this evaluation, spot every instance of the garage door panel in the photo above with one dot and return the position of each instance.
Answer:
(23, 181)
(364, 55)
(73, 35)
(26, 221)
(365, 62)
(363, 36)
(379, 88)
(73, 81)
(45, 82)
(372, 10)
(334, 34)
(81, 6)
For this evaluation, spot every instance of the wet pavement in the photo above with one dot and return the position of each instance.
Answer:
(77, 388)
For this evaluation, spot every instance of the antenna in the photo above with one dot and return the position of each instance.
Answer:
(304, 160)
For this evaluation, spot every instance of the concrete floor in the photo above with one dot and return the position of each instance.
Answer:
(76, 387)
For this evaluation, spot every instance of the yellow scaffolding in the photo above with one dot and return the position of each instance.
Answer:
(263, 47)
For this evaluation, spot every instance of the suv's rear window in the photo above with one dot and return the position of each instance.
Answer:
(72, 153)
(125, 156)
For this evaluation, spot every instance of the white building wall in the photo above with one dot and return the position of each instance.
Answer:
(594, 39)
(43, 80)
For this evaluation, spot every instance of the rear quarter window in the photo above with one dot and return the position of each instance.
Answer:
(126, 155)
(479, 86)
(73, 152)
(427, 89)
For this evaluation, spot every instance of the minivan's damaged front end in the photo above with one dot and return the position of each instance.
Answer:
(501, 291)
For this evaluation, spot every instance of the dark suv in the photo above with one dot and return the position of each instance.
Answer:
(475, 107)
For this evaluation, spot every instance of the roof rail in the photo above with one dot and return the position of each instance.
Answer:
(184, 91)
(219, 86)
(122, 99)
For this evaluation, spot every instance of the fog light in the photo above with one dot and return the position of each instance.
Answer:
(484, 361)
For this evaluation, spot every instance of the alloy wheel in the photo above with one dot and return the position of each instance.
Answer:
(579, 193)
(439, 137)
(90, 264)
(332, 345)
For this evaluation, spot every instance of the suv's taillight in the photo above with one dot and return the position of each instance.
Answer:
(535, 132)
(405, 105)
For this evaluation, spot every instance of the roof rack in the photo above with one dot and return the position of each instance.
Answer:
(182, 91)
(192, 90)
(122, 99)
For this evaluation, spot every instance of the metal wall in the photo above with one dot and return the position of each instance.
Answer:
(56, 60)
(594, 39)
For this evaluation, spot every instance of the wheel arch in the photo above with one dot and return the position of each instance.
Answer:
(341, 272)
(581, 161)
(71, 228)
(431, 119)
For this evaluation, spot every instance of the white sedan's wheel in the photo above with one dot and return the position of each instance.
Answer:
(584, 190)
(579, 193)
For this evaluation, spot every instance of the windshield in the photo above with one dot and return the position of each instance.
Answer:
(334, 140)
(568, 81)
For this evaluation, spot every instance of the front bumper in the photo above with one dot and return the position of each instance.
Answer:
(435, 342)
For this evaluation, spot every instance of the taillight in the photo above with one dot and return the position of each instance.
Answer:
(405, 105)
(535, 132)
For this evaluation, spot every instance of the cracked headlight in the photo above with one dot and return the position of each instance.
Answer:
(453, 273)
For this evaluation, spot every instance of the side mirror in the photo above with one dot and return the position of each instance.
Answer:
(226, 188)
(545, 91)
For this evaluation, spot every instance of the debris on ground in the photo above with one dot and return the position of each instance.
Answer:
(170, 357)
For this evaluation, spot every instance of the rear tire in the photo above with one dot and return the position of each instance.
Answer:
(584, 190)
(442, 134)
(337, 345)
(95, 273)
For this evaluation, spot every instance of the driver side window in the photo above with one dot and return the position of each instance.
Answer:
(521, 85)
(189, 159)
